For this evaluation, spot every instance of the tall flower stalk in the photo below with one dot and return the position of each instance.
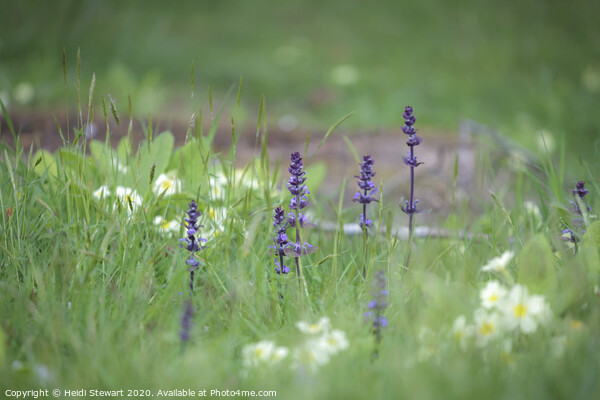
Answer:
(365, 197)
(193, 244)
(186, 323)
(377, 306)
(410, 207)
(296, 219)
(281, 240)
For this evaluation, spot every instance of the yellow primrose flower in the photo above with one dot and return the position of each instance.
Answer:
(168, 184)
(320, 327)
(498, 264)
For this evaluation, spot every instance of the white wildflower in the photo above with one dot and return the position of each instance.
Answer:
(218, 184)
(487, 326)
(429, 345)
(168, 184)
(461, 331)
(167, 227)
(121, 167)
(498, 264)
(101, 192)
(264, 351)
(215, 225)
(334, 341)
(492, 295)
(313, 354)
(129, 198)
(246, 179)
(525, 312)
(320, 327)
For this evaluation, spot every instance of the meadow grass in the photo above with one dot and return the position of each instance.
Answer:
(508, 65)
(92, 291)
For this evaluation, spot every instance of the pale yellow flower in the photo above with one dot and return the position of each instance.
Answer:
(492, 295)
(525, 312)
(498, 264)
(263, 352)
(167, 184)
(166, 226)
(320, 327)
(101, 192)
(487, 326)
(129, 198)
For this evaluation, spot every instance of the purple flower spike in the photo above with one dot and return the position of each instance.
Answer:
(410, 207)
(286, 269)
(366, 184)
(364, 197)
(298, 202)
(579, 193)
(281, 240)
(192, 244)
(580, 190)
(292, 220)
(296, 182)
(279, 217)
(377, 305)
(186, 322)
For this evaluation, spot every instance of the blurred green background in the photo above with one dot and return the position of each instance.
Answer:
(519, 66)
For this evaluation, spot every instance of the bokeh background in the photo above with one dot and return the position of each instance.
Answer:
(518, 66)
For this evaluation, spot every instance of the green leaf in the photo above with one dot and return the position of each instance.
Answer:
(593, 234)
(191, 165)
(536, 265)
(124, 149)
(590, 248)
(101, 155)
(159, 152)
(45, 162)
(74, 160)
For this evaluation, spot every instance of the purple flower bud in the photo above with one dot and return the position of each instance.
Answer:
(580, 190)
(414, 140)
(408, 209)
(411, 161)
(364, 199)
(294, 203)
(409, 118)
(278, 268)
(296, 182)
(365, 221)
(279, 217)
(192, 228)
(380, 322)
